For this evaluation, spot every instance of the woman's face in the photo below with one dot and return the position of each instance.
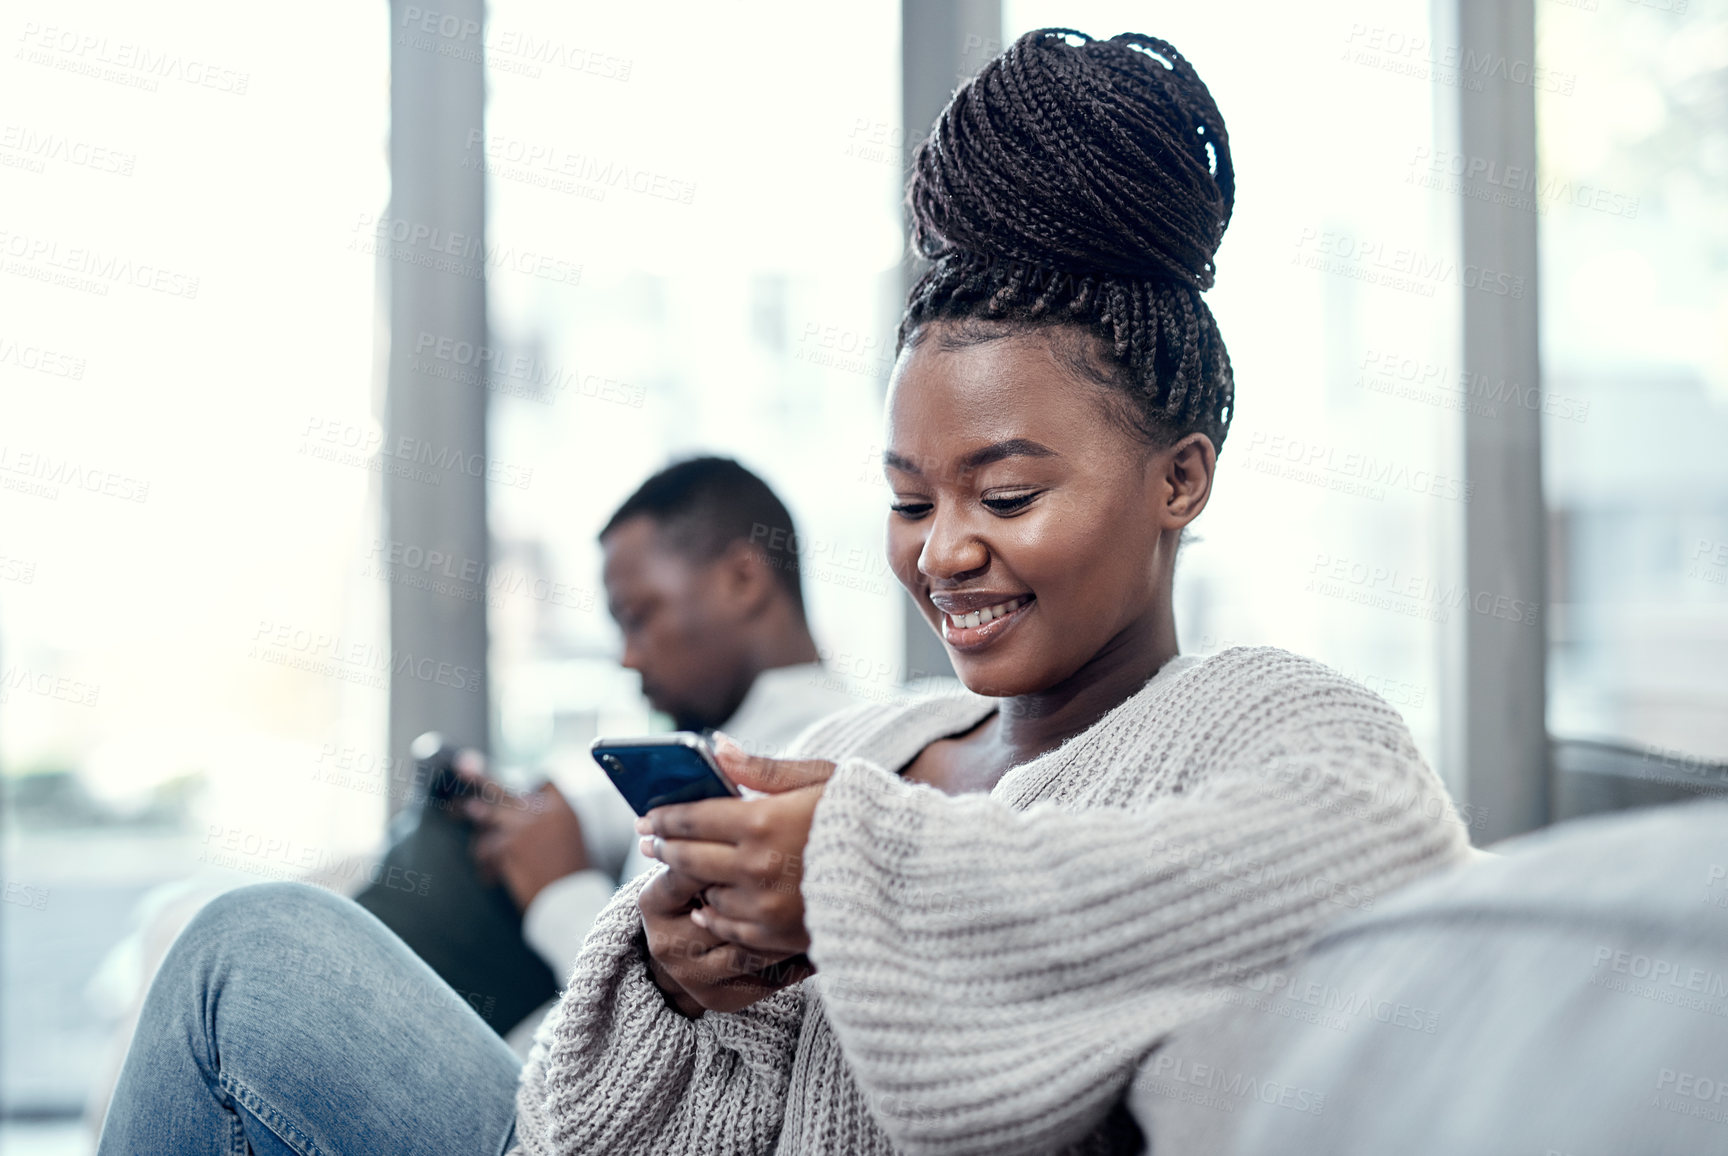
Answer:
(1031, 531)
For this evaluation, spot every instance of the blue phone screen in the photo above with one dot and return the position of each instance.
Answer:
(657, 776)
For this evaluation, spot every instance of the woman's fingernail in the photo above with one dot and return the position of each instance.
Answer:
(643, 826)
(700, 918)
(726, 744)
(647, 844)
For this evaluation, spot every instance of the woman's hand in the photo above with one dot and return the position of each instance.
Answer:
(696, 969)
(726, 922)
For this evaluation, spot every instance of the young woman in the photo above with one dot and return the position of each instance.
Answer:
(957, 925)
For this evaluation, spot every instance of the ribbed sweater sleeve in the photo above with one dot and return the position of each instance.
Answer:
(627, 1073)
(993, 974)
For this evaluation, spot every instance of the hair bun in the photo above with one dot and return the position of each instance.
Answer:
(1098, 157)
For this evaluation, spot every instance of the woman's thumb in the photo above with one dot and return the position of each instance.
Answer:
(770, 775)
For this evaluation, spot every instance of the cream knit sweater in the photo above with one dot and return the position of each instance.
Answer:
(991, 968)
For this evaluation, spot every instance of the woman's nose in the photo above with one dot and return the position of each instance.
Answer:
(951, 549)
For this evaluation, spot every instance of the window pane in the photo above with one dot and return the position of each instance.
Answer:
(1332, 530)
(730, 196)
(189, 636)
(1633, 204)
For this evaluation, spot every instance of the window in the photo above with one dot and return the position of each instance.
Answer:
(190, 632)
(1333, 528)
(1632, 201)
(731, 195)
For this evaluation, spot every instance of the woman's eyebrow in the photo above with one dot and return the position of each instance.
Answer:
(978, 458)
(1012, 448)
(895, 462)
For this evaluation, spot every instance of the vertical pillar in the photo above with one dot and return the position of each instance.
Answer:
(942, 42)
(434, 252)
(1505, 745)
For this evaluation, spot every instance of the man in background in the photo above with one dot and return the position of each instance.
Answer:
(707, 593)
(713, 621)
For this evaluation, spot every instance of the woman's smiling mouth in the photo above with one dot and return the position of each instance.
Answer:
(968, 625)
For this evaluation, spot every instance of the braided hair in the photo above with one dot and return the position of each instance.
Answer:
(1085, 182)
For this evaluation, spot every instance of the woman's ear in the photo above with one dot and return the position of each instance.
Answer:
(1186, 483)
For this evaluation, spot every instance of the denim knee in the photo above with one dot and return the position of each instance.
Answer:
(263, 919)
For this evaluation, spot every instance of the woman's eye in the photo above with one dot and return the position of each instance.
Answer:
(1009, 505)
(911, 511)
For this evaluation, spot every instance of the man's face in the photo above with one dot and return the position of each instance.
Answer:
(680, 632)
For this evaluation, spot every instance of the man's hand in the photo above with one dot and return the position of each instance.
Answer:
(525, 841)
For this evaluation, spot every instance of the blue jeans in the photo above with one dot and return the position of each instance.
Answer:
(289, 1020)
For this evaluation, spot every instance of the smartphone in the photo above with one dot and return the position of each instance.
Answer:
(663, 769)
(435, 770)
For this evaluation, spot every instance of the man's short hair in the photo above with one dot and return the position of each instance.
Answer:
(702, 505)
